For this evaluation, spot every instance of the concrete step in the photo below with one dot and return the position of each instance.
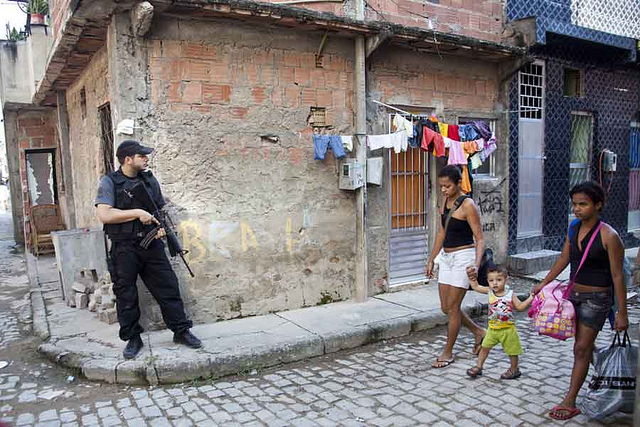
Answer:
(531, 262)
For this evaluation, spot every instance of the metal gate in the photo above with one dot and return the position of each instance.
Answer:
(634, 178)
(408, 243)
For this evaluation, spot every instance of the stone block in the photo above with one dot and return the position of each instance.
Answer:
(532, 262)
(82, 300)
(80, 287)
(108, 316)
(92, 306)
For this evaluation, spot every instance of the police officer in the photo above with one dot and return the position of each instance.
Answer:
(126, 223)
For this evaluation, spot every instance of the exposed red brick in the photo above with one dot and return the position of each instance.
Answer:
(286, 76)
(318, 80)
(308, 97)
(481, 88)
(239, 112)
(30, 122)
(25, 143)
(219, 72)
(174, 93)
(302, 76)
(32, 131)
(192, 93)
(196, 70)
(292, 58)
(216, 94)
(324, 98)
(258, 94)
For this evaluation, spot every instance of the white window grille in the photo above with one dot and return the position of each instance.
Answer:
(531, 91)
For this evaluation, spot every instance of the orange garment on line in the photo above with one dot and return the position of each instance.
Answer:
(465, 185)
(470, 147)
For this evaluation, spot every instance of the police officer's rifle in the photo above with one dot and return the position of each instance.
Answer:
(140, 192)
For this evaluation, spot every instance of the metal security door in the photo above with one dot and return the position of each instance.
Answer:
(634, 178)
(408, 243)
(530, 150)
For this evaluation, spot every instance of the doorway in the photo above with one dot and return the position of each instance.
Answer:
(408, 206)
(41, 177)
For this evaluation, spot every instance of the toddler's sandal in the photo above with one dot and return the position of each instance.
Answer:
(474, 372)
(511, 375)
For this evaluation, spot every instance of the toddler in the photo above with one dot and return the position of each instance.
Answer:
(502, 328)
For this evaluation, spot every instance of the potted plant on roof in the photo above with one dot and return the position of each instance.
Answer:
(38, 9)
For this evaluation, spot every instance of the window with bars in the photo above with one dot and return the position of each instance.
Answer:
(107, 138)
(580, 150)
(573, 82)
(408, 185)
(531, 89)
(487, 169)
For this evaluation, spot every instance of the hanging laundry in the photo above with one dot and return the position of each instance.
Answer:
(444, 129)
(347, 142)
(398, 141)
(322, 142)
(475, 161)
(470, 147)
(401, 123)
(430, 137)
(483, 129)
(414, 141)
(420, 126)
(467, 133)
(489, 147)
(456, 153)
(465, 184)
(453, 132)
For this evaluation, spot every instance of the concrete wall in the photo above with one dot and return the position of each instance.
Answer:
(453, 88)
(17, 72)
(85, 136)
(267, 227)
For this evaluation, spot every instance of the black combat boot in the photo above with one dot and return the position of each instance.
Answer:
(187, 338)
(133, 347)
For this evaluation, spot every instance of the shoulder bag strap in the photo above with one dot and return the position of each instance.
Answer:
(455, 207)
(584, 257)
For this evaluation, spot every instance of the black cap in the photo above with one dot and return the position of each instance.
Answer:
(131, 148)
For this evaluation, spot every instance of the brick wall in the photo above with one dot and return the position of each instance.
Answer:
(59, 11)
(451, 87)
(35, 130)
(481, 19)
(85, 144)
(267, 227)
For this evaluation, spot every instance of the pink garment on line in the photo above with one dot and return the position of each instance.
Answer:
(456, 154)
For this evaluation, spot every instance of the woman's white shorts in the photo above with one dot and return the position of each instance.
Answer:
(452, 267)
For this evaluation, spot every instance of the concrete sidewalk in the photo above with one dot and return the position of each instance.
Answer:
(77, 339)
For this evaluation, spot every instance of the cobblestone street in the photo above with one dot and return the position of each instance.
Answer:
(387, 384)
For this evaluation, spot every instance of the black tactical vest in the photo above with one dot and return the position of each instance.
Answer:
(131, 230)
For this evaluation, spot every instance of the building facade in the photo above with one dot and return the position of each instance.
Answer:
(577, 100)
(230, 94)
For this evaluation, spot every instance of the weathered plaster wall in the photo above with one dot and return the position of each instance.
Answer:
(17, 72)
(85, 136)
(453, 88)
(267, 227)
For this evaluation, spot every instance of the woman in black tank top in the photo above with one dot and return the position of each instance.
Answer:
(460, 247)
(599, 279)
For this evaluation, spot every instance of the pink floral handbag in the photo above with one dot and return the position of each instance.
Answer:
(553, 314)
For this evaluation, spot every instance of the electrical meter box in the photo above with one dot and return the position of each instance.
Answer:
(609, 161)
(374, 170)
(351, 175)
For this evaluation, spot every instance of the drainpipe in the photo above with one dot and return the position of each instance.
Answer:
(360, 110)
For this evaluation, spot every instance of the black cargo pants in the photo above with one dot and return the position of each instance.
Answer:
(128, 261)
